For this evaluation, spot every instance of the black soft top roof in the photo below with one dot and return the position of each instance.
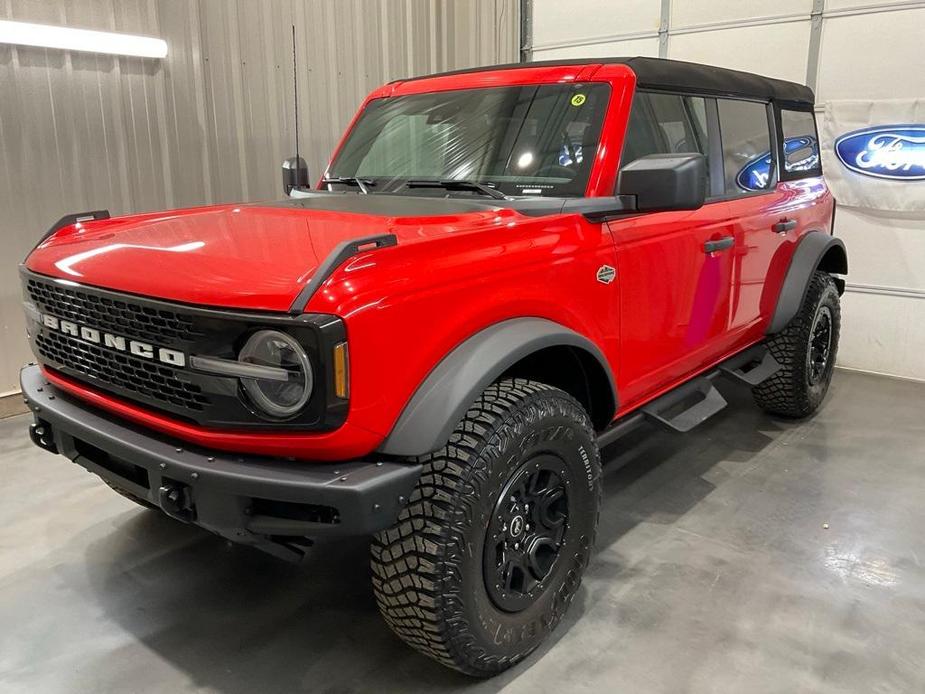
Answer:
(678, 75)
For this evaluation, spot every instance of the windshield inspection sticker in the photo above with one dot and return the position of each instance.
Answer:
(578, 99)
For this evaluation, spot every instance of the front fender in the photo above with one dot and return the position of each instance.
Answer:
(441, 401)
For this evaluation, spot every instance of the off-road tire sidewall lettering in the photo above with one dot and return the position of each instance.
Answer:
(428, 569)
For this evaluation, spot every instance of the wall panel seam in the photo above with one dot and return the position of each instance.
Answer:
(596, 40)
(740, 23)
(884, 290)
(674, 31)
(874, 9)
(664, 29)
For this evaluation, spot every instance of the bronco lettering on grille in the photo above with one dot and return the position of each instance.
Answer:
(116, 342)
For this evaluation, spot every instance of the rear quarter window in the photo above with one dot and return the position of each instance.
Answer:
(801, 144)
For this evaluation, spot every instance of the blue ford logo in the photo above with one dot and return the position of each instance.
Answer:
(801, 154)
(888, 151)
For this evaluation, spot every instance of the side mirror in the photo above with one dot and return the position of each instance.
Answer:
(662, 182)
(295, 174)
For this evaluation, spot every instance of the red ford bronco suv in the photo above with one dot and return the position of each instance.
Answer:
(501, 271)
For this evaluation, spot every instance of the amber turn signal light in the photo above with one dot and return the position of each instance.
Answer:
(341, 377)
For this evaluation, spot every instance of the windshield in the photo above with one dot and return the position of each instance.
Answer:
(526, 140)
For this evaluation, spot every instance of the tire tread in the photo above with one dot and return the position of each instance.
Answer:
(786, 393)
(408, 560)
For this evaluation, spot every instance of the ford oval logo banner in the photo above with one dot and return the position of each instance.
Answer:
(802, 154)
(754, 175)
(894, 152)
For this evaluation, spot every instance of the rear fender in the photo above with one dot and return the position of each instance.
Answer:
(816, 250)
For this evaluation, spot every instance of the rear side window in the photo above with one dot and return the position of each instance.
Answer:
(747, 160)
(665, 124)
(801, 144)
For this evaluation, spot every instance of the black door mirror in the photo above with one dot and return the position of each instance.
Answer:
(295, 174)
(661, 182)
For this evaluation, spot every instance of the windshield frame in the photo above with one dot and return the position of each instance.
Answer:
(605, 100)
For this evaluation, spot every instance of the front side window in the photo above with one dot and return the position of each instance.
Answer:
(666, 124)
(801, 144)
(525, 140)
(747, 160)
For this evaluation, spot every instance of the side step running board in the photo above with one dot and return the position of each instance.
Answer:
(684, 408)
(694, 402)
(752, 367)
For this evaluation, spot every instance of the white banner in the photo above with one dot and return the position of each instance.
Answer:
(873, 153)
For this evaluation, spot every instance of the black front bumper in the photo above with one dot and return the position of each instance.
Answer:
(266, 502)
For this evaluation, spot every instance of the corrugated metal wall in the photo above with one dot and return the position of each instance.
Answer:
(213, 121)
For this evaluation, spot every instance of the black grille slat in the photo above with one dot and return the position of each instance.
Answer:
(157, 326)
(148, 381)
(130, 373)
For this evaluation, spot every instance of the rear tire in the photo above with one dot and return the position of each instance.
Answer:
(806, 350)
(486, 557)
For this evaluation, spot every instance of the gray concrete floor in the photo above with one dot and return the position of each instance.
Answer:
(713, 573)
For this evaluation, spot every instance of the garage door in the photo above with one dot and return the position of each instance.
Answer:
(847, 50)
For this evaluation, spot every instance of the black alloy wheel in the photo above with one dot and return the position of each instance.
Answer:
(820, 345)
(527, 532)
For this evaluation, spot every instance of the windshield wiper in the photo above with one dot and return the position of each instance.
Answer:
(361, 183)
(454, 184)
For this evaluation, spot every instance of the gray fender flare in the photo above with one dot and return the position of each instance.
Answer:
(441, 401)
(807, 257)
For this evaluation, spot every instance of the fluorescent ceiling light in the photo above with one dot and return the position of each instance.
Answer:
(68, 39)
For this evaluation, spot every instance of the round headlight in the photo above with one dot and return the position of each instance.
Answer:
(286, 392)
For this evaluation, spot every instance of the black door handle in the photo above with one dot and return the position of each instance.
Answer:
(718, 245)
(785, 225)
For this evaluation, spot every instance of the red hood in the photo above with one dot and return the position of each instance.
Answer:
(247, 256)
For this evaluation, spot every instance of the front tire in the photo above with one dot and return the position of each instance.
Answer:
(486, 557)
(806, 350)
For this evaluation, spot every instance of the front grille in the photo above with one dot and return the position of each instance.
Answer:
(148, 379)
(156, 325)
